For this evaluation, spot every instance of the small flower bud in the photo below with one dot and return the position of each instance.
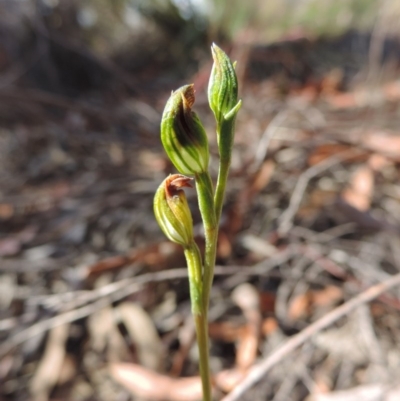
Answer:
(182, 134)
(172, 210)
(223, 87)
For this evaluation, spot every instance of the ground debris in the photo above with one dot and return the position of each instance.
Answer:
(94, 303)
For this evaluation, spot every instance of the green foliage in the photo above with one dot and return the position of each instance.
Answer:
(185, 143)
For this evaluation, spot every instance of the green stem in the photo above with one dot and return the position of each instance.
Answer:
(202, 342)
(206, 205)
(210, 206)
(221, 186)
(206, 200)
(225, 135)
(193, 259)
(209, 265)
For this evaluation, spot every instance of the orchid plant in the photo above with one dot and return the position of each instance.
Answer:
(185, 142)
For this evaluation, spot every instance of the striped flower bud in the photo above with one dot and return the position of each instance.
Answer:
(223, 86)
(182, 134)
(223, 98)
(172, 210)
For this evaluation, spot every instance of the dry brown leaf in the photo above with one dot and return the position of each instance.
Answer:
(377, 162)
(100, 324)
(323, 382)
(327, 150)
(224, 245)
(262, 177)
(307, 94)
(143, 334)
(319, 198)
(343, 100)
(247, 347)
(48, 371)
(111, 263)
(327, 296)
(388, 145)
(227, 380)
(159, 256)
(267, 301)
(224, 331)
(105, 335)
(144, 383)
(247, 298)
(370, 392)
(301, 306)
(269, 326)
(360, 191)
(68, 370)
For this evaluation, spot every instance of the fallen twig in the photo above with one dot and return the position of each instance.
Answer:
(259, 370)
(286, 219)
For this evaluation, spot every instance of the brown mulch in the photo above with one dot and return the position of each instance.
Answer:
(94, 301)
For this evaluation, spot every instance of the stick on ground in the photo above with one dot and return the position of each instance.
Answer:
(260, 370)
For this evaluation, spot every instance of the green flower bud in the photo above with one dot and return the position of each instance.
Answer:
(172, 210)
(182, 134)
(223, 87)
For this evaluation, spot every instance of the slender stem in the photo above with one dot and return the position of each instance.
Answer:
(206, 205)
(210, 208)
(221, 186)
(202, 342)
(193, 259)
(209, 266)
(206, 199)
(225, 135)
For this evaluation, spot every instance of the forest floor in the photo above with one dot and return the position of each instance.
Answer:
(94, 302)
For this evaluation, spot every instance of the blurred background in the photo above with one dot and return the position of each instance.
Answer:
(94, 302)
